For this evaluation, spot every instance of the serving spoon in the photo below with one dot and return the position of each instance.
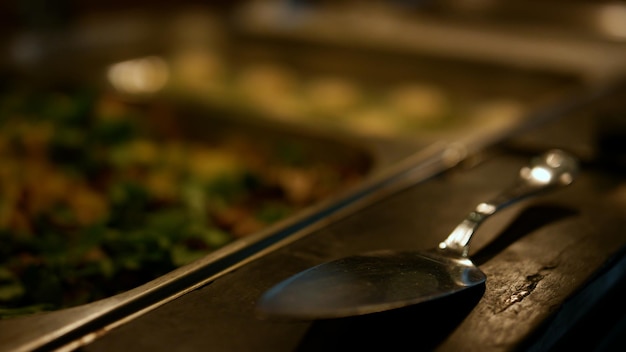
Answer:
(385, 279)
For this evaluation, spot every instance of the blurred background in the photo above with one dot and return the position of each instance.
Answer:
(379, 69)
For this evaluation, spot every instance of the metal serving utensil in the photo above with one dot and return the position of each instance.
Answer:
(385, 279)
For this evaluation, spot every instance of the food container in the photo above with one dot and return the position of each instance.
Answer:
(362, 117)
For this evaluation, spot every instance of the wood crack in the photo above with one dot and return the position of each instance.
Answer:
(522, 291)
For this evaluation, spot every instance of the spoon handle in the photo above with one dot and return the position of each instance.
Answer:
(550, 170)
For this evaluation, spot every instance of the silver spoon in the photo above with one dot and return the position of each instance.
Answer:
(384, 280)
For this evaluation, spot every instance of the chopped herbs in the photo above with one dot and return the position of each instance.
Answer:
(94, 203)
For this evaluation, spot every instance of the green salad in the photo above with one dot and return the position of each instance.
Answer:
(98, 196)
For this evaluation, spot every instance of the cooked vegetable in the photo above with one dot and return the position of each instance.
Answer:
(93, 201)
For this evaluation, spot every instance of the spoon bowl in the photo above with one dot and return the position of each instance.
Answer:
(385, 279)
